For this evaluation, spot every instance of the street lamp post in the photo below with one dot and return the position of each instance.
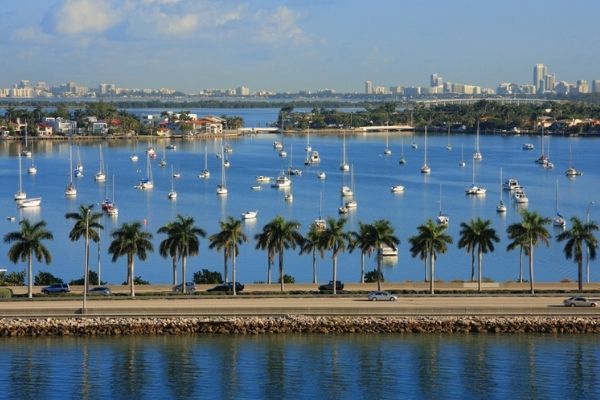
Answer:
(587, 249)
(87, 257)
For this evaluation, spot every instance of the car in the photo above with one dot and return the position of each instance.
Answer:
(577, 301)
(99, 291)
(190, 287)
(227, 287)
(375, 296)
(329, 286)
(57, 288)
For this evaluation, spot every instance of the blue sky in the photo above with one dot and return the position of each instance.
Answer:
(293, 45)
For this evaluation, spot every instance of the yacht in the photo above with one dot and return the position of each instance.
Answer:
(282, 181)
(527, 146)
(250, 214)
(520, 196)
(313, 158)
(397, 189)
(511, 184)
(32, 202)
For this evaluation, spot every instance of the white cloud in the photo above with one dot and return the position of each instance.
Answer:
(85, 16)
(281, 27)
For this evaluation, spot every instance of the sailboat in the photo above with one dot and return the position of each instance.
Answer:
(387, 151)
(308, 147)
(448, 146)
(291, 169)
(70, 191)
(501, 207)
(108, 206)
(462, 162)
(571, 171)
(352, 204)
(172, 194)
(100, 175)
(344, 166)
(163, 160)
(345, 191)
(475, 190)
(402, 160)
(79, 166)
(20, 194)
(548, 164)
(32, 170)
(543, 158)
(221, 187)
(205, 173)
(477, 154)
(146, 183)
(558, 221)
(425, 169)
(134, 157)
(26, 152)
(442, 218)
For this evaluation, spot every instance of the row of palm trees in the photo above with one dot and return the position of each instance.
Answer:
(279, 235)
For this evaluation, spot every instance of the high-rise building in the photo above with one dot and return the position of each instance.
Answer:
(242, 91)
(539, 72)
(550, 81)
(436, 80)
(582, 86)
(596, 86)
(368, 87)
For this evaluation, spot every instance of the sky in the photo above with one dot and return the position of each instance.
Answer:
(190, 45)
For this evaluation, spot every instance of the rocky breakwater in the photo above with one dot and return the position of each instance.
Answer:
(104, 326)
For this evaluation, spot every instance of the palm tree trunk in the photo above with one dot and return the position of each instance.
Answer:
(174, 278)
(269, 267)
(131, 269)
(281, 270)
(521, 265)
(531, 283)
(334, 259)
(225, 272)
(473, 265)
(378, 270)
(479, 267)
(183, 273)
(580, 274)
(362, 267)
(314, 267)
(425, 262)
(30, 276)
(432, 273)
(233, 269)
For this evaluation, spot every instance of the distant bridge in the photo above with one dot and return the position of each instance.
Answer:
(501, 100)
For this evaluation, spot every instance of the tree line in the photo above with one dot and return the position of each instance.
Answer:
(182, 241)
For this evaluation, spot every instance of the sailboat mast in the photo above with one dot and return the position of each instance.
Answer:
(425, 144)
(20, 177)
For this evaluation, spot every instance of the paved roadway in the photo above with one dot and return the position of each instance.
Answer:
(243, 305)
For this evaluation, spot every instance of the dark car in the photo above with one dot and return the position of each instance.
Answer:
(190, 287)
(329, 286)
(57, 288)
(227, 287)
(99, 291)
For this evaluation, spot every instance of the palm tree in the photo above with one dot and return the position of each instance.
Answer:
(361, 239)
(430, 240)
(229, 238)
(523, 249)
(167, 248)
(182, 240)
(264, 242)
(478, 234)
(281, 235)
(382, 234)
(86, 225)
(334, 238)
(580, 233)
(131, 241)
(28, 244)
(530, 231)
(310, 244)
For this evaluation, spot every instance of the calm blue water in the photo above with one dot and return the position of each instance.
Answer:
(302, 367)
(252, 156)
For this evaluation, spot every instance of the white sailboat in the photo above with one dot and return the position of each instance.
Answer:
(222, 187)
(308, 147)
(291, 169)
(101, 174)
(79, 166)
(543, 158)
(475, 190)
(425, 169)
(402, 160)
(352, 203)
(477, 153)
(462, 162)
(20, 194)
(26, 152)
(163, 160)
(205, 173)
(501, 207)
(32, 170)
(558, 220)
(387, 151)
(147, 182)
(108, 206)
(71, 190)
(344, 166)
(251, 214)
(172, 195)
(442, 218)
(448, 146)
(571, 171)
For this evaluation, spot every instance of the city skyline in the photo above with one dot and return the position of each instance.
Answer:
(290, 46)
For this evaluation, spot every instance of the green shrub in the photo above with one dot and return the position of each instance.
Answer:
(45, 278)
(92, 279)
(371, 276)
(205, 276)
(13, 278)
(5, 293)
(138, 281)
(287, 279)
(565, 280)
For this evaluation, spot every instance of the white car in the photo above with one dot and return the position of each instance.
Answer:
(375, 296)
(579, 302)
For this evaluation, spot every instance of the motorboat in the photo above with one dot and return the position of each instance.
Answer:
(527, 146)
(520, 196)
(32, 202)
(282, 181)
(443, 219)
(346, 191)
(511, 184)
(133, 158)
(571, 171)
(321, 175)
(250, 214)
(313, 158)
(263, 179)
(475, 190)
(388, 251)
(397, 189)
(256, 187)
(277, 145)
(289, 197)
(351, 204)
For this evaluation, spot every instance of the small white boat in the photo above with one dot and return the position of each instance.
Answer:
(344, 166)
(256, 187)
(397, 189)
(226, 164)
(511, 184)
(177, 175)
(11, 218)
(477, 153)
(346, 191)
(289, 197)
(282, 181)
(475, 190)
(172, 195)
(133, 158)
(205, 174)
(321, 175)
(263, 179)
(402, 161)
(162, 163)
(501, 207)
(171, 147)
(277, 145)
(20, 194)
(573, 172)
(351, 204)
(520, 196)
(151, 152)
(222, 187)
(527, 146)
(146, 183)
(294, 171)
(414, 145)
(313, 158)
(100, 175)
(425, 169)
(33, 170)
(558, 221)
(71, 190)
(221, 190)
(343, 210)
(32, 202)
(250, 214)
(443, 219)
(282, 153)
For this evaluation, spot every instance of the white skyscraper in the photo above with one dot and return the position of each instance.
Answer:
(539, 73)
(368, 87)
